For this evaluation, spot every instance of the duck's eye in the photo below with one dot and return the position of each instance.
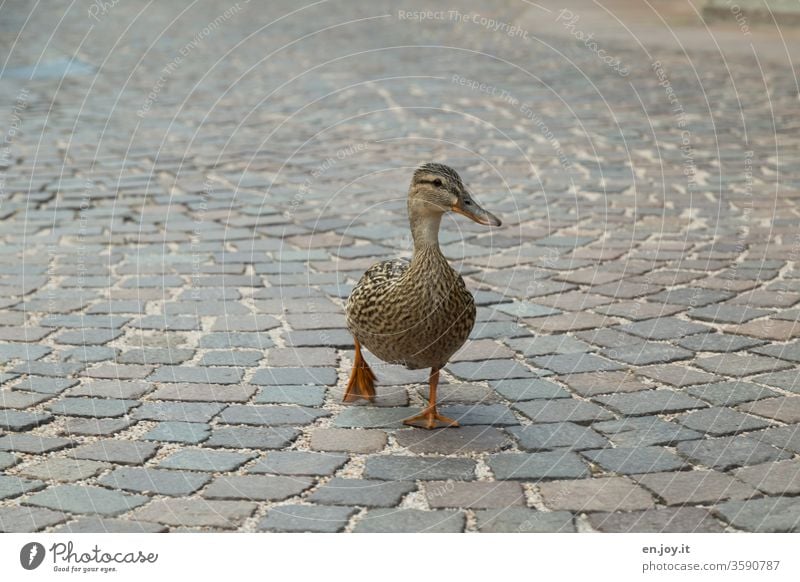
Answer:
(437, 182)
(467, 202)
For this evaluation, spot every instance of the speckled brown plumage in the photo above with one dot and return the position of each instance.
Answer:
(417, 314)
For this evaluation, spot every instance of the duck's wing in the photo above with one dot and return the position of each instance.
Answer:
(374, 282)
(383, 272)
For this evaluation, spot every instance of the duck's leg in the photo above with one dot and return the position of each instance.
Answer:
(430, 417)
(362, 380)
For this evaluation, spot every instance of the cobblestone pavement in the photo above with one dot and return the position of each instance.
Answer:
(189, 194)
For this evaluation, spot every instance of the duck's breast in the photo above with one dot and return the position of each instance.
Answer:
(417, 320)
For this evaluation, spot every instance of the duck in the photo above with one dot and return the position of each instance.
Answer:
(416, 313)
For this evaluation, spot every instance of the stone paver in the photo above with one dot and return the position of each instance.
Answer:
(730, 393)
(101, 525)
(628, 461)
(778, 478)
(256, 487)
(601, 494)
(13, 486)
(158, 481)
(116, 451)
(22, 519)
(720, 421)
(563, 409)
(473, 495)
(306, 518)
(538, 466)
(566, 435)
(397, 468)
(411, 521)
(700, 487)
(728, 452)
(362, 492)
(205, 460)
(86, 500)
(189, 433)
(783, 408)
(35, 444)
(250, 437)
(528, 389)
(270, 415)
(299, 463)
(468, 439)
(524, 520)
(668, 520)
(347, 440)
(768, 514)
(195, 512)
(64, 469)
(173, 275)
(649, 402)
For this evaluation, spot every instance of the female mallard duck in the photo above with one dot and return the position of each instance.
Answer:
(420, 313)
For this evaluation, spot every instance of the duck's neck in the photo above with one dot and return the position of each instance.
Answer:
(425, 232)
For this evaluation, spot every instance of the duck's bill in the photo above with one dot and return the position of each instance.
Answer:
(471, 210)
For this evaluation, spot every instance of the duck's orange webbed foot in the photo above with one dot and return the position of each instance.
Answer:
(362, 379)
(430, 417)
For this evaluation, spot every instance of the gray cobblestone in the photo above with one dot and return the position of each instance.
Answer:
(190, 433)
(95, 525)
(557, 435)
(644, 431)
(668, 520)
(730, 393)
(205, 460)
(35, 444)
(411, 521)
(362, 492)
(85, 499)
(397, 468)
(116, 451)
(769, 514)
(195, 512)
(777, 478)
(719, 421)
(345, 440)
(728, 452)
(524, 520)
(649, 402)
(158, 481)
(628, 461)
(64, 469)
(249, 437)
(13, 486)
(256, 487)
(28, 519)
(306, 518)
(538, 466)
(601, 494)
(563, 409)
(701, 487)
(270, 415)
(18, 420)
(92, 407)
(528, 389)
(178, 411)
(299, 463)
(468, 439)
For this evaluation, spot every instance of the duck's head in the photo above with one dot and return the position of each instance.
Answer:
(437, 189)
